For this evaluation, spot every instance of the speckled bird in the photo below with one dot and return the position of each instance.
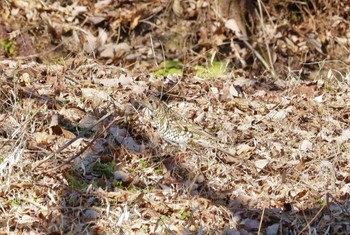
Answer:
(179, 131)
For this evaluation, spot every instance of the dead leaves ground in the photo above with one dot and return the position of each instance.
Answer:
(117, 176)
(294, 143)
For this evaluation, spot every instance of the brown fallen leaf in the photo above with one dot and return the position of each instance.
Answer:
(244, 148)
(43, 138)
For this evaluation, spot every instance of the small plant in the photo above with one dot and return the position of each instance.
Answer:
(158, 170)
(148, 189)
(8, 46)
(330, 89)
(214, 70)
(95, 184)
(132, 170)
(169, 68)
(15, 202)
(60, 60)
(185, 215)
(320, 202)
(134, 188)
(117, 184)
(74, 182)
(106, 169)
(143, 163)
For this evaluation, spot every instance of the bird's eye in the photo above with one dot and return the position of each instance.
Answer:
(151, 101)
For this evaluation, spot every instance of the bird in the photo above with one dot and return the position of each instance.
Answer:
(178, 130)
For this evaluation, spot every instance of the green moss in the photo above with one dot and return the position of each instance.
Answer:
(185, 215)
(169, 68)
(176, 68)
(8, 46)
(158, 170)
(320, 202)
(106, 169)
(71, 200)
(15, 202)
(134, 188)
(144, 163)
(117, 184)
(217, 68)
(295, 17)
(132, 170)
(77, 183)
(330, 89)
(60, 60)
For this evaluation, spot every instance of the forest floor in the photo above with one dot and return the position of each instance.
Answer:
(78, 153)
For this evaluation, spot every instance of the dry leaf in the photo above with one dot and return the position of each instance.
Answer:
(250, 224)
(345, 190)
(345, 136)
(96, 19)
(102, 3)
(135, 22)
(43, 139)
(306, 145)
(25, 80)
(233, 26)
(114, 50)
(273, 229)
(90, 214)
(280, 114)
(319, 99)
(95, 95)
(27, 220)
(305, 90)
(55, 128)
(244, 148)
(121, 175)
(68, 134)
(73, 114)
(260, 164)
(177, 8)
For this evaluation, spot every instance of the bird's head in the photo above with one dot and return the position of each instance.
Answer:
(151, 102)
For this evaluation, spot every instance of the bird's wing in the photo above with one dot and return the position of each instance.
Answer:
(196, 130)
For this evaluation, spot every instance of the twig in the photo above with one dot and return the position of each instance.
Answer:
(257, 54)
(72, 141)
(261, 220)
(86, 147)
(153, 52)
(312, 220)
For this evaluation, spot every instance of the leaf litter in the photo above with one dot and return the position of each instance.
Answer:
(114, 174)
